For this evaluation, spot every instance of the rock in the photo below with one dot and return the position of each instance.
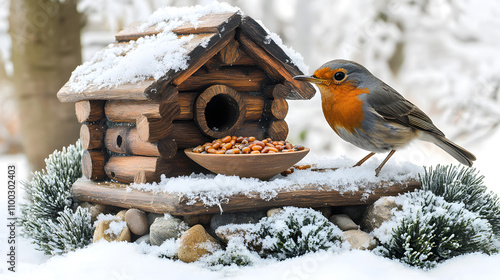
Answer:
(197, 219)
(379, 212)
(273, 211)
(227, 233)
(95, 210)
(152, 217)
(144, 238)
(326, 211)
(195, 243)
(359, 240)
(102, 231)
(165, 228)
(355, 212)
(121, 214)
(344, 222)
(235, 218)
(137, 221)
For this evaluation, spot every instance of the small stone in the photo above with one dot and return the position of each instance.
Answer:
(197, 219)
(359, 240)
(121, 214)
(273, 211)
(326, 211)
(95, 210)
(152, 217)
(195, 243)
(227, 233)
(143, 239)
(355, 212)
(103, 226)
(379, 212)
(235, 218)
(137, 221)
(165, 228)
(344, 222)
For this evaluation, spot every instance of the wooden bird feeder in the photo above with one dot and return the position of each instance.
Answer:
(237, 83)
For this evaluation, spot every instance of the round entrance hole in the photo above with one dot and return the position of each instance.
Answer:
(219, 111)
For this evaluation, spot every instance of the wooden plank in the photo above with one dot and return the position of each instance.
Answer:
(237, 77)
(89, 111)
(303, 196)
(264, 50)
(120, 92)
(124, 168)
(211, 23)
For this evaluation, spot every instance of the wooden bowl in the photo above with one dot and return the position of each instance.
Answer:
(261, 166)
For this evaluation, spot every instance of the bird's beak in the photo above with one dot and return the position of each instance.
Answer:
(307, 78)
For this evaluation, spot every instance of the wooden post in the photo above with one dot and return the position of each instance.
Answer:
(93, 164)
(278, 130)
(277, 108)
(126, 140)
(92, 136)
(124, 168)
(89, 111)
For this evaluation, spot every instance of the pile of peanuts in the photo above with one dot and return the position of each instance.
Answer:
(246, 145)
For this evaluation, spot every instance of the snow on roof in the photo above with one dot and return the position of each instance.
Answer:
(151, 57)
(213, 190)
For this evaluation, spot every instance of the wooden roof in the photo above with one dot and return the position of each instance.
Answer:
(213, 33)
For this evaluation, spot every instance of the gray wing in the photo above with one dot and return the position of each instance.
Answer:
(394, 107)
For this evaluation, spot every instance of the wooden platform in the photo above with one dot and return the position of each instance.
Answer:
(122, 195)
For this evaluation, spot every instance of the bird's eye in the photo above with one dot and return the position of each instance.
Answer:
(339, 76)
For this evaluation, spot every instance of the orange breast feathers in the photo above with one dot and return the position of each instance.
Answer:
(341, 106)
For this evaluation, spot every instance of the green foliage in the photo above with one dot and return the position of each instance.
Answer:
(429, 230)
(48, 216)
(235, 253)
(464, 185)
(296, 231)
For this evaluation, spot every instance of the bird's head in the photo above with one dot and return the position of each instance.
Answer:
(337, 73)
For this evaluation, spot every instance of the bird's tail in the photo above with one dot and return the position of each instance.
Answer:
(462, 155)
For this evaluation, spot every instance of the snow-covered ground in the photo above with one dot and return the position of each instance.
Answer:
(126, 261)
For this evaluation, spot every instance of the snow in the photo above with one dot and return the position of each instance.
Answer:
(215, 189)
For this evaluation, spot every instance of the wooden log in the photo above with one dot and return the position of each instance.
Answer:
(121, 92)
(278, 130)
(152, 129)
(230, 53)
(254, 129)
(129, 110)
(237, 77)
(179, 165)
(126, 140)
(277, 91)
(143, 177)
(167, 147)
(277, 69)
(92, 136)
(187, 134)
(186, 103)
(219, 111)
(277, 108)
(124, 168)
(309, 195)
(93, 162)
(89, 111)
(244, 60)
(163, 92)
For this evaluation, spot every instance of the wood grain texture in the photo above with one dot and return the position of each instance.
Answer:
(129, 110)
(167, 147)
(152, 129)
(277, 108)
(89, 111)
(92, 136)
(237, 77)
(230, 53)
(93, 162)
(124, 168)
(126, 140)
(278, 129)
(188, 134)
(211, 23)
(179, 165)
(277, 91)
(303, 196)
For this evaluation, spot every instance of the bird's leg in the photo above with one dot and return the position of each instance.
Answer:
(377, 171)
(363, 159)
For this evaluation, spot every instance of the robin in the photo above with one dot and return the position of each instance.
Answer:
(371, 115)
